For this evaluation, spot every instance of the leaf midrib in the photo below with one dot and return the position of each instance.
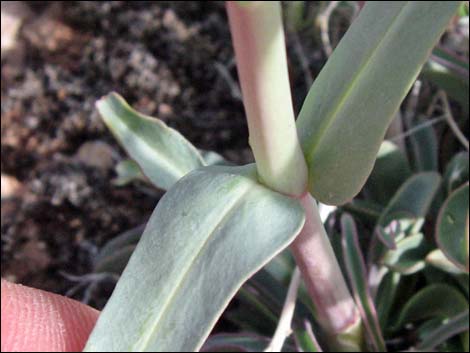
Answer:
(329, 120)
(187, 270)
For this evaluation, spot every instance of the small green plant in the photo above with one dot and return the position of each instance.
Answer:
(218, 225)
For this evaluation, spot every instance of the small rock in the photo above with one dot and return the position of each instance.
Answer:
(10, 186)
(13, 15)
(96, 154)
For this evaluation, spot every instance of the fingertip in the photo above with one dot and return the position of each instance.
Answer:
(35, 320)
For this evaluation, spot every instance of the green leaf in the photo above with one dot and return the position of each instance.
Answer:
(434, 301)
(386, 297)
(115, 255)
(357, 274)
(163, 154)
(409, 255)
(390, 171)
(229, 342)
(306, 340)
(410, 202)
(457, 172)
(452, 227)
(127, 171)
(409, 205)
(256, 310)
(424, 147)
(437, 259)
(366, 211)
(449, 71)
(116, 262)
(356, 95)
(454, 84)
(454, 326)
(213, 158)
(208, 234)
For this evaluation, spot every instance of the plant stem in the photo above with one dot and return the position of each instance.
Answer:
(335, 307)
(258, 39)
(260, 52)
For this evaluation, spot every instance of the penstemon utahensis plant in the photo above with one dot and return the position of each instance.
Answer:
(218, 225)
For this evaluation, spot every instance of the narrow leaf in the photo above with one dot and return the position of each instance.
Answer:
(128, 238)
(306, 339)
(386, 297)
(163, 154)
(127, 171)
(357, 274)
(452, 227)
(424, 147)
(454, 326)
(207, 235)
(229, 342)
(351, 103)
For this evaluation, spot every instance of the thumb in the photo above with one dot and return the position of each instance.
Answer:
(36, 321)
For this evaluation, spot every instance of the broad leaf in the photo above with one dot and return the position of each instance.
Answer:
(163, 154)
(450, 73)
(357, 274)
(452, 227)
(410, 202)
(208, 234)
(409, 255)
(457, 172)
(437, 259)
(351, 103)
(391, 169)
(366, 211)
(434, 301)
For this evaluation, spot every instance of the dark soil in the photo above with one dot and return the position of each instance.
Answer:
(173, 60)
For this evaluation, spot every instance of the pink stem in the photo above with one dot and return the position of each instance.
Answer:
(336, 310)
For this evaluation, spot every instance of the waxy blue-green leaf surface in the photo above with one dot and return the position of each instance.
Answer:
(207, 235)
(452, 227)
(162, 153)
(127, 171)
(356, 95)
